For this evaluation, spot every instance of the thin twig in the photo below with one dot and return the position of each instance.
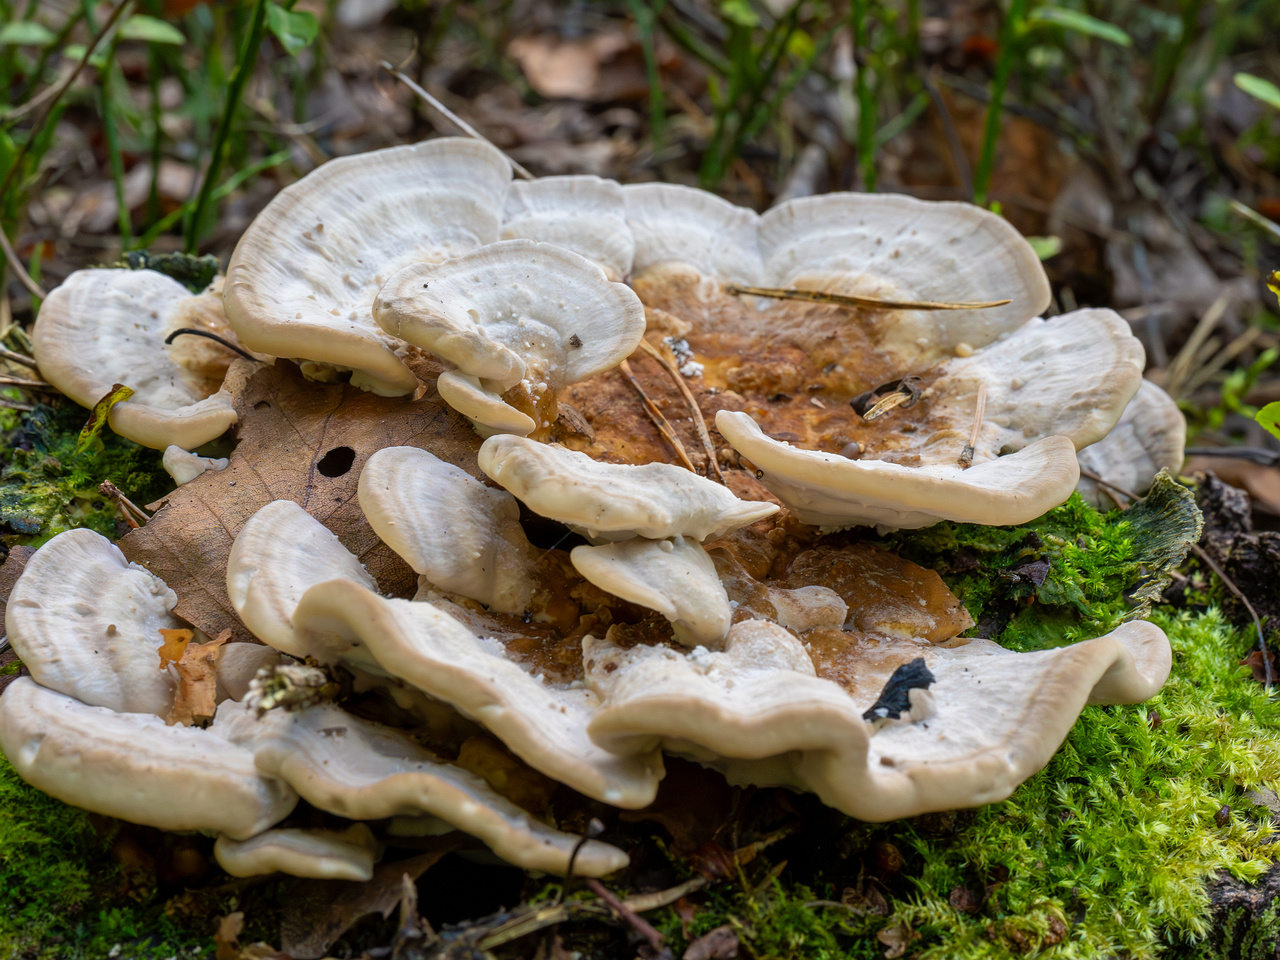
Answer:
(19, 268)
(954, 146)
(659, 421)
(667, 361)
(193, 332)
(1180, 368)
(1218, 571)
(821, 296)
(128, 508)
(28, 384)
(449, 115)
(980, 411)
(16, 357)
(14, 405)
(639, 923)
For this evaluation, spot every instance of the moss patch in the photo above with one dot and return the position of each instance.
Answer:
(46, 488)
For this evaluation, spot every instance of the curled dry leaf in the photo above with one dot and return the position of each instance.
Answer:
(718, 944)
(896, 937)
(196, 696)
(174, 645)
(300, 441)
(228, 935)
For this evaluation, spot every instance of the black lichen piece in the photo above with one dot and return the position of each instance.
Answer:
(895, 698)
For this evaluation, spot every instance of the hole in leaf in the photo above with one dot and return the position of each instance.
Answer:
(337, 461)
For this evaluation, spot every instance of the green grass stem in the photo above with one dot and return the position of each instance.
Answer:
(646, 17)
(245, 62)
(866, 97)
(1010, 36)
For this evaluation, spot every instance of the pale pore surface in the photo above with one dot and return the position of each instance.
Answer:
(676, 577)
(302, 280)
(827, 489)
(581, 213)
(461, 535)
(132, 766)
(184, 466)
(323, 854)
(280, 553)
(757, 712)
(515, 312)
(107, 326)
(543, 725)
(86, 623)
(1150, 437)
(656, 500)
(365, 771)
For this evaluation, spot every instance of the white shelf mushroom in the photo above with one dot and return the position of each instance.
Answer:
(1150, 437)
(107, 326)
(325, 854)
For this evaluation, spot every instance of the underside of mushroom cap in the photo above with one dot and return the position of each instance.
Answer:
(1150, 437)
(755, 712)
(827, 489)
(107, 326)
(87, 623)
(900, 248)
(365, 771)
(303, 277)
(134, 767)
(618, 501)
(584, 214)
(280, 553)
(515, 312)
(461, 535)
(543, 725)
(323, 854)
(676, 577)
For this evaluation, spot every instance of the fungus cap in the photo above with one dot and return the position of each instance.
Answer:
(676, 577)
(184, 466)
(514, 311)
(656, 500)
(302, 280)
(461, 535)
(107, 326)
(1150, 436)
(322, 854)
(134, 767)
(583, 214)
(87, 623)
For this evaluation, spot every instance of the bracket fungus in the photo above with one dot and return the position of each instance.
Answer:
(710, 616)
(109, 326)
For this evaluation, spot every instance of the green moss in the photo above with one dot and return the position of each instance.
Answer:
(46, 488)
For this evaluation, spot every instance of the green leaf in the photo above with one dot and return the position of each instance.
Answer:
(1080, 23)
(1264, 90)
(1046, 247)
(151, 29)
(739, 12)
(295, 29)
(98, 416)
(1269, 419)
(25, 33)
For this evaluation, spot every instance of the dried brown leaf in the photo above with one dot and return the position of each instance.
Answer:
(896, 937)
(174, 645)
(318, 912)
(229, 928)
(1255, 663)
(299, 441)
(718, 944)
(196, 698)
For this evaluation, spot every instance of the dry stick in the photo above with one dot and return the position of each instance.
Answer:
(28, 384)
(14, 405)
(449, 115)
(127, 507)
(980, 411)
(666, 359)
(1221, 359)
(821, 296)
(1180, 368)
(19, 268)
(639, 923)
(1213, 565)
(659, 421)
(22, 358)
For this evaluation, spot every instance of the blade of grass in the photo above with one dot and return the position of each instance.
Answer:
(232, 182)
(646, 15)
(245, 62)
(1010, 34)
(111, 131)
(866, 99)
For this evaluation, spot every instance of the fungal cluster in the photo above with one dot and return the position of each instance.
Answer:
(664, 380)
